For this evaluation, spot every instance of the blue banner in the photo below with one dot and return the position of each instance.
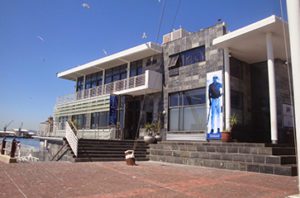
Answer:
(214, 84)
(113, 106)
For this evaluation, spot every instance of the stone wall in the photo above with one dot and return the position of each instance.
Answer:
(194, 75)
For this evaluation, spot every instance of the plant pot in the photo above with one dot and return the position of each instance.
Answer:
(149, 139)
(158, 138)
(226, 136)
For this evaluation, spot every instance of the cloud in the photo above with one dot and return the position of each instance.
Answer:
(85, 5)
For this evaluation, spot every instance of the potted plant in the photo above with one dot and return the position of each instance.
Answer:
(149, 139)
(226, 134)
(156, 130)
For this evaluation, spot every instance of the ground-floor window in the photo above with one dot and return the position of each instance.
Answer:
(99, 119)
(79, 121)
(187, 110)
(62, 122)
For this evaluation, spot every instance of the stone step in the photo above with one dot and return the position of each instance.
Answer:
(226, 149)
(240, 144)
(242, 157)
(110, 151)
(95, 159)
(287, 170)
(109, 155)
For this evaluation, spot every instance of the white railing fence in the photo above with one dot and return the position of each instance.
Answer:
(72, 137)
(109, 88)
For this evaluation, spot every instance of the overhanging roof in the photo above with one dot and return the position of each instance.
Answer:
(132, 54)
(249, 43)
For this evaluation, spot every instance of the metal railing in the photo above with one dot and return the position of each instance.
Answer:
(71, 137)
(109, 88)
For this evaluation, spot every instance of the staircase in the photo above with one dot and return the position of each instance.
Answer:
(254, 157)
(90, 150)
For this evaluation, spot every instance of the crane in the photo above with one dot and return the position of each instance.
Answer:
(20, 128)
(5, 127)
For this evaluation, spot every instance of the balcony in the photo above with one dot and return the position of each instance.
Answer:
(149, 82)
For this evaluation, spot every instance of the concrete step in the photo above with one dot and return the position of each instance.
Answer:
(238, 148)
(101, 159)
(242, 157)
(287, 170)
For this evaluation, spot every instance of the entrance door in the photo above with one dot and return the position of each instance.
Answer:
(132, 116)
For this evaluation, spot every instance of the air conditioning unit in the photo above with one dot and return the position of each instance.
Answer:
(176, 34)
(166, 38)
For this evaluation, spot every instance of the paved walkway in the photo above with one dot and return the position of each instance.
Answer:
(148, 179)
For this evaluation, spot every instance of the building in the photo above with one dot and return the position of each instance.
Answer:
(117, 95)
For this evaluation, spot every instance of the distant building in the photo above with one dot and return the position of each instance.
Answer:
(117, 95)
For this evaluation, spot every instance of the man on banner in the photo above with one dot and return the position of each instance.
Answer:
(214, 92)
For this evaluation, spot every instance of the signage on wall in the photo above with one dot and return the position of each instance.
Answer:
(214, 98)
(113, 105)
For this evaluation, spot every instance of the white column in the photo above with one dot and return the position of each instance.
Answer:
(293, 10)
(103, 82)
(227, 88)
(128, 75)
(272, 88)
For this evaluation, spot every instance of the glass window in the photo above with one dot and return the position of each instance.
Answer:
(186, 58)
(193, 56)
(99, 119)
(79, 121)
(79, 85)
(194, 97)
(173, 60)
(194, 118)
(173, 119)
(136, 68)
(187, 110)
(116, 73)
(174, 99)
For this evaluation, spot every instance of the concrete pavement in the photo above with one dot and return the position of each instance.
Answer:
(148, 179)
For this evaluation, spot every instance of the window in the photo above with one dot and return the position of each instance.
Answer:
(93, 80)
(99, 119)
(187, 57)
(236, 98)
(187, 110)
(79, 84)
(116, 73)
(79, 121)
(136, 68)
(151, 61)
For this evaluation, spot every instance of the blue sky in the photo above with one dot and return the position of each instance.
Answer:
(40, 38)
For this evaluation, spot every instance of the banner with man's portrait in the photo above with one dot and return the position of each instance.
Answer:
(214, 84)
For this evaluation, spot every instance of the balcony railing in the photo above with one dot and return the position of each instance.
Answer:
(109, 88)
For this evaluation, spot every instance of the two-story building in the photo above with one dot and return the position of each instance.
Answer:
(117, 95)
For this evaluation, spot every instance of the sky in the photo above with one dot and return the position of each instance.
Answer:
(40, 38)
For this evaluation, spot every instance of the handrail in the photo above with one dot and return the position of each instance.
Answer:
(109, 88)
(71, 137)
(58, 152)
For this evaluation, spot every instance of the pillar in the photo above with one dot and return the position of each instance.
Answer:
(293, 11)
(272, 88)
(227, 88)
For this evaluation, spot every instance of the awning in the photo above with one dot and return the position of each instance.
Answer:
(249, 43)
(129, 55)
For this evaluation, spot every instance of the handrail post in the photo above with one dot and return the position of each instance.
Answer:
(3, 146)
(13, 148)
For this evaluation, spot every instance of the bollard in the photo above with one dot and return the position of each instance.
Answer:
(13, 148)
(3, 146)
